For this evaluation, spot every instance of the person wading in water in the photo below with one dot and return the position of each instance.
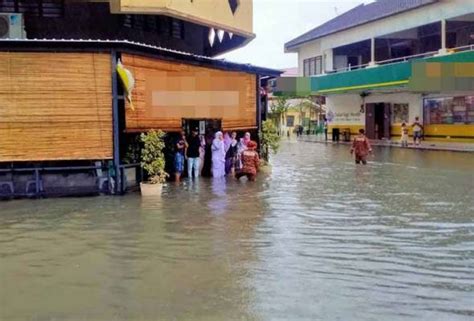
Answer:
(361, 147)
(250, 162)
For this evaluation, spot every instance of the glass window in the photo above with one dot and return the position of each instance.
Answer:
(449, 110)
(177, 29)
(290, 121)
(319, 65)
(470, 109)
(306, 67)
(312, 66)
(399, 113)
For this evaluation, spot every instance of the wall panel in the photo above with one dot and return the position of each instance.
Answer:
(165, 92)
(55, 106)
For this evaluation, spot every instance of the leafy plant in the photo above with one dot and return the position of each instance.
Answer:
(132, 156)
(269, 139)
(279, 109)
(153, 158)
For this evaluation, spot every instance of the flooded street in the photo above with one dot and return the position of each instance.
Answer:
(317, 239)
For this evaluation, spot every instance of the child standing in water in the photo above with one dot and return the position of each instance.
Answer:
(361, 147)
(404, 139)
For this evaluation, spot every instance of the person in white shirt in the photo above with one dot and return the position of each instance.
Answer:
(417, 130)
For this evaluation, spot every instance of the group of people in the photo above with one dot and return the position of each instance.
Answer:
(417, 129)
(361, 146)
(229, 156)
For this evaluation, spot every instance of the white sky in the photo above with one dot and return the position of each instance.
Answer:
(279, 21)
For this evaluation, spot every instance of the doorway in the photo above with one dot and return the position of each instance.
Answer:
(377, 121)
(205, 126)
(207, 129)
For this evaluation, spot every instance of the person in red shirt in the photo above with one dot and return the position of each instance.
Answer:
(361, 148)
(250, 162)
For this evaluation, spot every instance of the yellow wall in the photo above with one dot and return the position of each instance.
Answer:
(297, 114)
(448, 133)
(213, 13)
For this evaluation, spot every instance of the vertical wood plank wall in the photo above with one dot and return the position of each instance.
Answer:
(158, 76)
(55, 106)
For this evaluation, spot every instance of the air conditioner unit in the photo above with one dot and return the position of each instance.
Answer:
(12, 26)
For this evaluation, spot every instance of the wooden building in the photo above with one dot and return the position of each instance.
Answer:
(64, 123)
(63, 109)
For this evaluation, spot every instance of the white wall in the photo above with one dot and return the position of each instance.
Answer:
(444, 9)
(346, 108)
(310, 50)
(329, 59)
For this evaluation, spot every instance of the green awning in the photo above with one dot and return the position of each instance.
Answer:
(455, 75)
(363, 79)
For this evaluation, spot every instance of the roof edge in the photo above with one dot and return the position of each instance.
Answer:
(106, 45)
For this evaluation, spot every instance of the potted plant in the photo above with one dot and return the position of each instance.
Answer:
(269, 141)
(153, 162)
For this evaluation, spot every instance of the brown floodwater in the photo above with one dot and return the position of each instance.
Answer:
(317, 239)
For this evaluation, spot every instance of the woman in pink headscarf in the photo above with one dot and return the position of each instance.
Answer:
(245, 140)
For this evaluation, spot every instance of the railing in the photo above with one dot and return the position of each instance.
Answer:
(37, 181)
(406, 58)
(402, 59)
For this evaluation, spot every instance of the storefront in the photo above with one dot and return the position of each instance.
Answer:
(449, 117)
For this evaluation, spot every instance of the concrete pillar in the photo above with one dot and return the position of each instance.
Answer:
(372, 53)
(443, 49)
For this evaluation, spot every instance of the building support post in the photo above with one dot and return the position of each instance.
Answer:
(372, 52)
(259, 105)
(443, 50)
(115, 122)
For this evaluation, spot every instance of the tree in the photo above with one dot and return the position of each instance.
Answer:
(278, 110)
(269, 139)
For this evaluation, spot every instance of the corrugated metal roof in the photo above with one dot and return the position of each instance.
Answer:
(359, 15)
(100, 44)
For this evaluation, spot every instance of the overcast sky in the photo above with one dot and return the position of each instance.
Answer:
(278, 21)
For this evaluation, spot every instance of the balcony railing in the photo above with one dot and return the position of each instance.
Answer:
(401, 59)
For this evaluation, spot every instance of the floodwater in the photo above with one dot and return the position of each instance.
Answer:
(317, 239)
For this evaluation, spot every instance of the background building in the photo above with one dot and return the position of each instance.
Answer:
(291, 113)
(384, 63)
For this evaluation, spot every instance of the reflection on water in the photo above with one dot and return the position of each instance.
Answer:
(318, 239)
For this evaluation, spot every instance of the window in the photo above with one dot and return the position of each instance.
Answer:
(449, 110)
(34, 8)
(290, 121)
(176, 29)
(146, 23)
(313, 66)
(399, 113)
